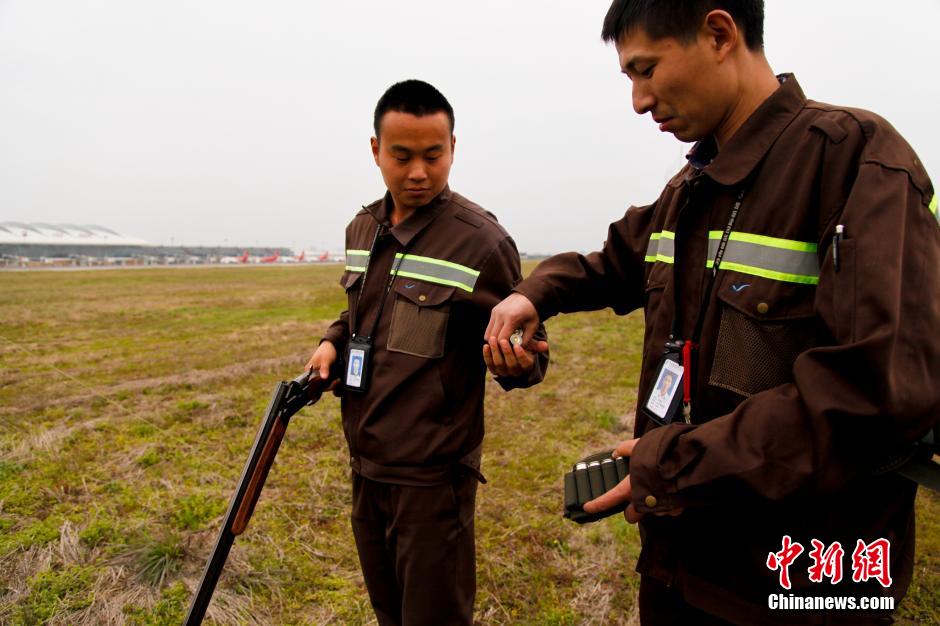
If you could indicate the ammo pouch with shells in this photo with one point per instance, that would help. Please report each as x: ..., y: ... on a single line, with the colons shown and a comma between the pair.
x: 589, y: 478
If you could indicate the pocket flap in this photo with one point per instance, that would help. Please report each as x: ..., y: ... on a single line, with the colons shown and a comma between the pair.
x: 765, y: 299
x: 422, y: 293
x: 658, y: 276
x: 348, y: 279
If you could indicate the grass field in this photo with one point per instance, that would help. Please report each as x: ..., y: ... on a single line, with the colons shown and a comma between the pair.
x: 129, y: 399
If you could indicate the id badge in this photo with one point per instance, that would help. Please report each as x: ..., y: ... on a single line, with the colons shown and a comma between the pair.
x: 358, y: 361
x: 663, y: 404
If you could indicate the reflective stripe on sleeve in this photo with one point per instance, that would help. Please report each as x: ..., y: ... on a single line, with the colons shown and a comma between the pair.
x: 933, y: 207
x: 662, y: 247
x: 357, y: 260
x: 435, y: 271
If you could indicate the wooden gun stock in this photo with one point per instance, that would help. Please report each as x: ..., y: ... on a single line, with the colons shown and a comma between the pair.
x: 258, y: 477
x: 288, y: 398
x: 309, y: 386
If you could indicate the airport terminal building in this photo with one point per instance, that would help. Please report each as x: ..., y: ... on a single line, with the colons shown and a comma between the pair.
x: 70, y: 245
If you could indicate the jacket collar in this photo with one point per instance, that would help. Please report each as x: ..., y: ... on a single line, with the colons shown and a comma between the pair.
x: 750, y: 143
x: 410, y: 228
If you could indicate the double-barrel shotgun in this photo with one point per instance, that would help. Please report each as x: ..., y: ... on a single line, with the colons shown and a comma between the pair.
x: 288, y: 398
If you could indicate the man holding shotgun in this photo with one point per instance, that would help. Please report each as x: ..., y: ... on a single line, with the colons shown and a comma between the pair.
x: 424, y: 267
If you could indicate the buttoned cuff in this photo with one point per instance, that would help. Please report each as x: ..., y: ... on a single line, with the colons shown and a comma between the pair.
x: 652, y: 493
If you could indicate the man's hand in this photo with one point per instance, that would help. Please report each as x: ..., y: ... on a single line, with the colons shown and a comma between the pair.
x: 322, y: 360
x: 504, y: 359
x: 516, y: 311
x: 501, y: 357
x: 623, y: 492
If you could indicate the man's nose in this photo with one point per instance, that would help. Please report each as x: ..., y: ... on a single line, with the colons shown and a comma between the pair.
x: 643, y: 100
x: 417, y: 172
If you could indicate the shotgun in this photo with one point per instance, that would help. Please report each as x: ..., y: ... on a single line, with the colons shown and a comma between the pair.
x: 288, y: 398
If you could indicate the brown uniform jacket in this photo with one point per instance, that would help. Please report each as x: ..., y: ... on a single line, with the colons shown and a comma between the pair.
x: 805, y: 373
x: 423, y: 411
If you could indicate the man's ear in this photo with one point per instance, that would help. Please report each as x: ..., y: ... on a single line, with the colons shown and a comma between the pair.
x: 375, y: 149
x: 721, y: 32
x: 453, y: 145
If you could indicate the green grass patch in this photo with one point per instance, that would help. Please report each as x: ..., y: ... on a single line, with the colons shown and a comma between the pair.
x: 159, y: 558
x: 33, y: 533
x: 193, y: 511
x: 54, y: 592
x: 169, y: 610
x: 151, y: 457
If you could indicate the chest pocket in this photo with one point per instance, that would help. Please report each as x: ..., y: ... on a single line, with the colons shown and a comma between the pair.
x: 419, y: 318
x: 765, y: 324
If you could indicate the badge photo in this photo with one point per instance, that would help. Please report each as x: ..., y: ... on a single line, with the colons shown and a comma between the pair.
x: 357, y: 363
x: 662, y: 404
x: 354, y: 372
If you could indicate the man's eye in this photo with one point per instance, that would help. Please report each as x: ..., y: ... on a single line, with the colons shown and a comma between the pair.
x: 401, y: 159
x: 432, y: 158
x: 648, y: 72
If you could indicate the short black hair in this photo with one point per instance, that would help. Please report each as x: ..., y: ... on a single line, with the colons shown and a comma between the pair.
x: 415, y: 97
x: 681, y: 19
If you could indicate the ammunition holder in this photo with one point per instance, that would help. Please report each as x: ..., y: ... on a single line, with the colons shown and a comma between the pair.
x: 589, y: 478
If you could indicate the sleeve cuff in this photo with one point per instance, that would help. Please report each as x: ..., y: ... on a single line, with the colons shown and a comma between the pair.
x: 538, y: 294
x: 336, y: 336
x: 651, y: 492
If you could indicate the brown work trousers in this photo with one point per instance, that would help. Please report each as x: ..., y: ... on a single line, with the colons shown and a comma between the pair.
x: 417, y: 550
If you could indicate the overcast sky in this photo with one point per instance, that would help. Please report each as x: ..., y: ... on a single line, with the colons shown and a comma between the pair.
x: 248, y: 122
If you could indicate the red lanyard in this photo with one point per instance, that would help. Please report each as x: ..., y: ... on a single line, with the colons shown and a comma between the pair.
x: 689, y: 345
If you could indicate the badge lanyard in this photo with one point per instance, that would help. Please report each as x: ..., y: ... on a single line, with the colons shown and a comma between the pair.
x: 686, y: 347
x: 358, y: 355
x: 388, y: 286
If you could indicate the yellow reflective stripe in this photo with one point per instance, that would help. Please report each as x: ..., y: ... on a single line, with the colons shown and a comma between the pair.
x: 933, y: 206
x: 435, y: 279
x: 427, y: 259
x: 785, y: 260
x: 436, y: 271
x: 765, y: 273
x: 653, y: 248
x: 764, y: 240
x: 357, y: 256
